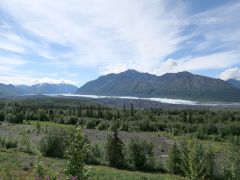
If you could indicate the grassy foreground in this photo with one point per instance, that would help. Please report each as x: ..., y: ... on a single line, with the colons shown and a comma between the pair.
x: 18, y: 165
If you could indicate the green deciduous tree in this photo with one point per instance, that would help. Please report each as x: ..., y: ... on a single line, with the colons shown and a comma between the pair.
x: 76, y: 155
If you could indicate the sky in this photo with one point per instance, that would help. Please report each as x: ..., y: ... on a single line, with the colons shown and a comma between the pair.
x: 74, y: 41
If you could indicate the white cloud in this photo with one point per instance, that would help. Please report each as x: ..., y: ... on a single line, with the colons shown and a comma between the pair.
x: 53, y: 81
x: 232, y: 73
x: 208, y: 62
x: 28, y: 80
x: 12, y: 61
x: 223, y: 30
x: 102, y: 32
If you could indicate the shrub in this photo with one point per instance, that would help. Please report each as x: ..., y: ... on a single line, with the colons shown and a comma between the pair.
x: 147, y: 125
x: 76, y: 155
x: 91, y: 123
x: 2, y: 116
x: 174, y: 160
x: 54, y: 143
x: 196, y: 162
x: 42, y: 116
x: 103, y: 125
x: 141, y: 155
x: 10, y: 118
x: 125, y: 126
x: 19, y: 118
x: 234, y: 159
x: 8, y: 142
x: 38, y: 127
x: 96, y: 155
x: 39, y: 169
x: 25, y: 144
x: 42, y: 171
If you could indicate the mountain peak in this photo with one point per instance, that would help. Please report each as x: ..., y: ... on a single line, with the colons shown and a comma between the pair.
x: 132, y: 71
x: 185, y: 72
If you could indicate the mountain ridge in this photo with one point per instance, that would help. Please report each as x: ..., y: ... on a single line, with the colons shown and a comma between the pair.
x: 48, y: 88
x: 43, y: 88
x: 182, y: 85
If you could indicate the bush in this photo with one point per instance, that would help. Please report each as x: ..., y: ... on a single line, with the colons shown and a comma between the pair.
x: 196, y: 162
x: 141, y: 155
x: 8, y: 142
x: 125, y: 126
x: 147, y: 125
x: 91, y: 123
x: 103, y: 125
x: 234, y: 159
x: 42, y: 172
x: 25, y: 144
x: 96, y: 155
x: 10, y: 118
x: 2, y: 116
x: 174, y: 160
x: 54, y: 143
x: 39, y: 169
x: 19, y: 118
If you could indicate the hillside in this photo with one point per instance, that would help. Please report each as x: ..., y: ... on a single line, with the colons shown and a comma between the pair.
x: 234, y: 82
x: 9, y: 90
x: 46, y: 88
x: 183, y: 85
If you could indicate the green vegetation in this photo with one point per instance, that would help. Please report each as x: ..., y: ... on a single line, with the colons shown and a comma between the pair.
x: 17, y: 164
x: 76, y: 155
x: 115, y: 150
x: 54, y: 143
x: 204, y: 124
x: 194, y: 142
x: 141, y: 155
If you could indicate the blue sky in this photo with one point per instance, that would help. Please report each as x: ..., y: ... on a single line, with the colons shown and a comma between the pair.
x: 75, y: 41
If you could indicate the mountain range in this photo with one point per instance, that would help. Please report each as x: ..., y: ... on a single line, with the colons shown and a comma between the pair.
x: 44, y: 88
x: 234, y: 82
x: 183, y: 85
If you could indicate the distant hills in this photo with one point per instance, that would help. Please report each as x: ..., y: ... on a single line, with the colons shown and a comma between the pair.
x: 9, y: 90
x: 44, y: 88
x: 183, y: 85
x: 234, y: 82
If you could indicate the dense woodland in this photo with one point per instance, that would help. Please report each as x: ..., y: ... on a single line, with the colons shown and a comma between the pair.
x: 186, y: 158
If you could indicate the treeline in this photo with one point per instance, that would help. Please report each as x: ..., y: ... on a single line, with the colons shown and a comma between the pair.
x: 203, y: 124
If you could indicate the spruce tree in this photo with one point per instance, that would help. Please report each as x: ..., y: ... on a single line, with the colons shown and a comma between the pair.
x: 115, y: 150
